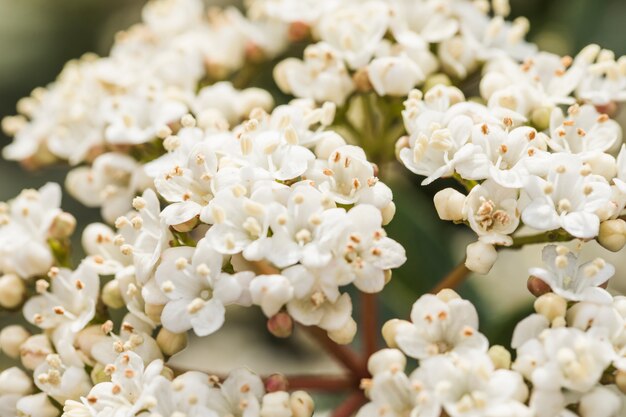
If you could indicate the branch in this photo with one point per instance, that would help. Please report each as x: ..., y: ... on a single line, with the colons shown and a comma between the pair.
x: 453, y: 279
x: 350, y: 405
x: 369, y: 324
x: 559, y: 235
x: 343, y: 354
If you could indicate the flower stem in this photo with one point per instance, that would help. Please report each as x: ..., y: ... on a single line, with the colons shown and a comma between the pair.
x: 453, y: 279
x: 343, y: 354
x: 369, y: 324
x: 350, y: 405
x: 559, y: 235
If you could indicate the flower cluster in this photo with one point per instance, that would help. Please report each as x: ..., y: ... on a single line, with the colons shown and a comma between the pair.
x: 571, y: 359
x: 562, y: 180
x: 150, y: 80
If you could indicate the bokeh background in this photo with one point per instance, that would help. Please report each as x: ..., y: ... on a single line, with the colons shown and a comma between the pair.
x: 38, y: 36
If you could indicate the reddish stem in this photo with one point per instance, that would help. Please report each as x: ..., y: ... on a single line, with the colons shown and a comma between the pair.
x: 350, y: 405
x: 343, y: 354
x: 369, y: 324
x: 320, y: 383
x: 453, y: 279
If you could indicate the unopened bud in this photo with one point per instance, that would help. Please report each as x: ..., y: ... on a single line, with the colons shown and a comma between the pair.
x: 153, y: 311
x: 603, y: 164
x: 171, y: 343
x: 388, y: 212
x: 301, y: 404
x: 12, y: 291
x: 88, y: 337
x: 612, y: 234
x: 15, y: 381
x: 98, y: 374
x: 537, y: 287
x: 62, y: 226
x: 448, y: 294
x: 449, y: 204
x: 435, y: 80
x: 480, y: 257
x: 540, y: 118
x: 390, y: 330
x: 280, y: 325
x: 276, y: 382
x: 386, y: 360
x: 620, y: 380
x: 551, y: 306
x: 276, y: 404
x: 328, y: 143
x: 187, y: 226
x: 361, y: 80
x: 11, y: 339
x: 112, y: 295
x: 34, y: 351
x: 344, y: 335
x: 500, y: 357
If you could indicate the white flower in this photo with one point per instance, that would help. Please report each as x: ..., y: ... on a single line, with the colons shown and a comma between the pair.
x: 233, y: 104
x: 394, y: 75
x: 143, y: 237
x: 197, y: 290
x: 570, y: 197
x: 61, y: 381
x: 492, y: 212
x: 271, y: 292
x: 584, y: 131
x: 349, y: 178
x: 316, y: 298
x: 111, y: 183
x: 14, y: 385
x: 37, y: 405
x: 98, y: 241
x: 321, y: 76
x: 439, y: 327
x: 69, y: 299
x: 355, y: 30
x: 604, y: 81
x: 302, y: 230
x: 569, y: 280
x: 564, y: 358
x: 25, y: 228
x: 364, y: 252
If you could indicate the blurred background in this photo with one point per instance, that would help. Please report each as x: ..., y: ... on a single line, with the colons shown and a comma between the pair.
x: 38, y: 36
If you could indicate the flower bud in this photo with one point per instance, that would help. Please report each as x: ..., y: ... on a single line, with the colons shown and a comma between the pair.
x: 112, y: 295
x: 600, y: 402
x: 551, y: 306
x: 603, y: 164
x: 301, y: 404
x: 63, y: 225
x: 435, y: 80
x: 492, y: 82
x: 537, y: 287
x: 394, y: 75
x: 500, y: 357
x: 327, y: 144
x: 276, y: 382
x: 388, y: 212
x: 386, y: 360
x: 620, y: 381
x: 15, y: 381
x: 280, y: 325
x: 35, y: 350
x: 612, y: 234
x: 448, y: 294
x: 449, y: 204
x: 171, y: 343
x: 98, y: 374
x: 153, y: 311
x: 186, y: 226
x: 11, y: 339
x: 12, y: 291
x: 276, y: 404
x: 361, y: 80
x: 540, y: 118
x: 480, y: 257
x: 390, y: 330
x: 344, y: 335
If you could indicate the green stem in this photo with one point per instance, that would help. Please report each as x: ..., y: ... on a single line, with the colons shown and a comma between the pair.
x: 467, y: 184
x: 559, y: 235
